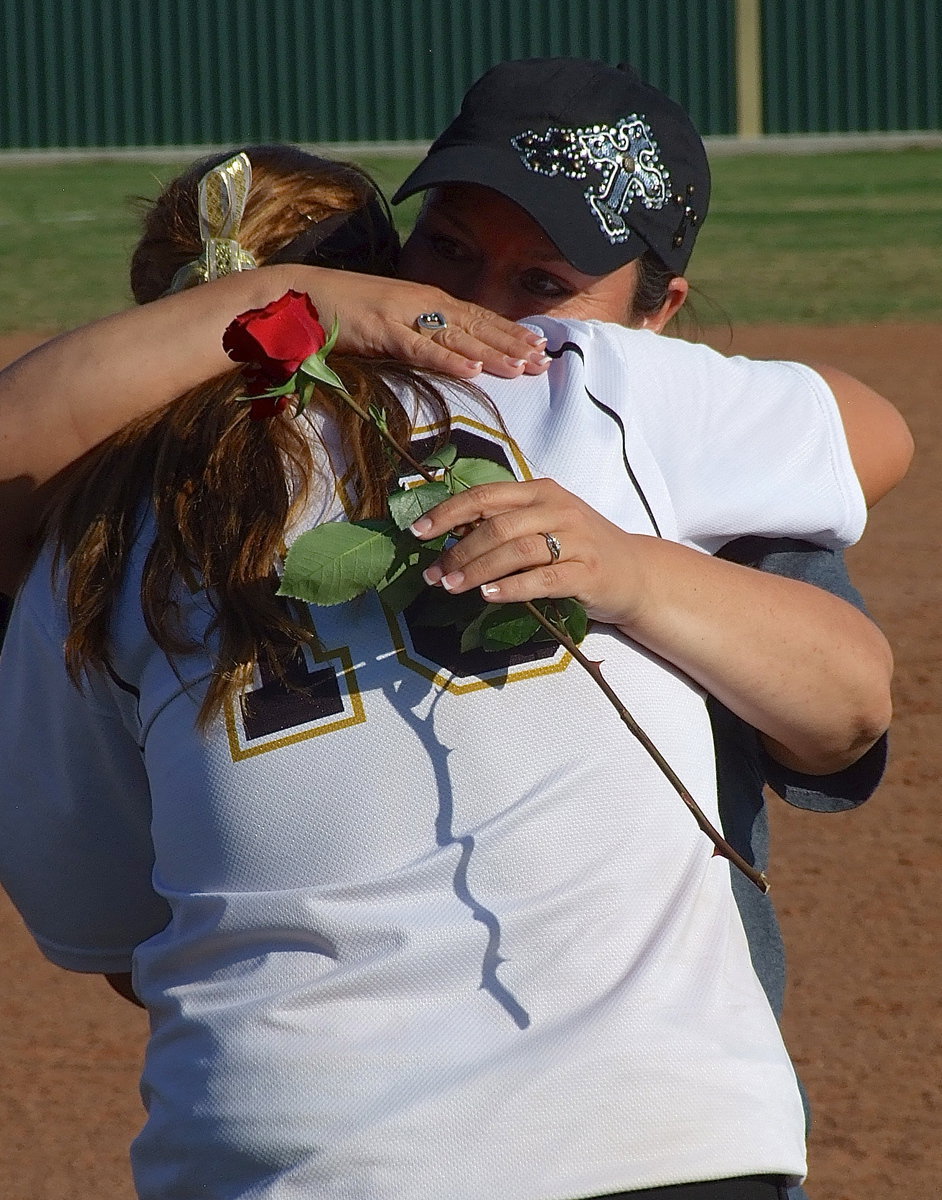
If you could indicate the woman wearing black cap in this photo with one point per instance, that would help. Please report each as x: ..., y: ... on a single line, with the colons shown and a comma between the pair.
x: 577, y: 188
x: 535, y: 988
x: 608, y: 166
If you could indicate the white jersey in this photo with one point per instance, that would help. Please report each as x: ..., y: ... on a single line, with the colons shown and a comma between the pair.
x: 433, y: 925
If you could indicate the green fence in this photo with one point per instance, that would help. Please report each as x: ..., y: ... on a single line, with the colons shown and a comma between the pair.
x: 108, y: 73
x: 835, y: 65
x: 186, y: 72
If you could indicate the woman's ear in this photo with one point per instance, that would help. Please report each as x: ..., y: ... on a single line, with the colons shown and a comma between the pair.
x: 677, y: 291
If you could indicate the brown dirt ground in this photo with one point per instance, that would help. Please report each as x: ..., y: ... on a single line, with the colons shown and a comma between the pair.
x: 864, y: 1014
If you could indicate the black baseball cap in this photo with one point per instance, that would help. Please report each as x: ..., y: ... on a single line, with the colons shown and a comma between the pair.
x: 605, y: 163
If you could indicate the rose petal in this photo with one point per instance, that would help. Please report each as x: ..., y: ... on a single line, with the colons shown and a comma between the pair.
x: 276, y: 339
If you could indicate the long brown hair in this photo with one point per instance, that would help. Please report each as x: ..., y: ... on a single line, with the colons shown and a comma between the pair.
x: 222, y: 487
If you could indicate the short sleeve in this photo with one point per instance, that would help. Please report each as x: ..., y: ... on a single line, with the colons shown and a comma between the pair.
x: 744, y: 446
x: 76, y: 856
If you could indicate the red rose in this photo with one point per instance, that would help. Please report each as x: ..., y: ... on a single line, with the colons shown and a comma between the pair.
x: 275, y: 339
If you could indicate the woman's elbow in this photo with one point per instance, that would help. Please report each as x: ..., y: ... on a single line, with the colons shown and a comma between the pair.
x: 848, y: 726
x: 829, y: 754
x: 867, y: 716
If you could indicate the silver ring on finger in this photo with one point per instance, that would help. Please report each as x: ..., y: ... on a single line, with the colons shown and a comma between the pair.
x: 552, y: 544
x: 431, y: 323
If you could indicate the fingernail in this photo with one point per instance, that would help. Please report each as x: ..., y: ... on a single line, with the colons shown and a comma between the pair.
x: 490, y: 589
x: 455, y: 579
x: 432, y: 574
x: 540, y: 360
x: 476, y: 366
x: 536, y: 339
x: 517, y: 362
x: 422, y: 525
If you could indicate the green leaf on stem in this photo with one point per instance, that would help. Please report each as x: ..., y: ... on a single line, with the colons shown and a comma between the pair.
x: 503, y: 626
x: 331, y: 338
x: 406, y: 505
x: 284, y: 389
x: 336, y: 561
x: 403, y: 579
x: 568, y: 614
x: 305, y: 393
x: 442, y: 458
x: 506, y: 625
x: 378, y: 525
x: 472, y: 636
x: 315, y: 365
x: 469, y: 472
x: 314, y: 368
x: 438, y: 609
x: 378, y: 417
x: 403, y: 582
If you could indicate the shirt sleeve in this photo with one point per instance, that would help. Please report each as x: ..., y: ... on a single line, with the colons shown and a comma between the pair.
x: 744, y: 446
x: 76, y: 855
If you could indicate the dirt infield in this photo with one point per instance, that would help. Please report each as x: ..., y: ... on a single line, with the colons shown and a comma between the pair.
x: 855, y: 892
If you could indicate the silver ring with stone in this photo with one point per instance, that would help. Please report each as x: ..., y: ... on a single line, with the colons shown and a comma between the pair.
x: 431, y: 323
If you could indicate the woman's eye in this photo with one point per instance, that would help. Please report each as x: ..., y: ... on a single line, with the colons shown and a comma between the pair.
x: 548, y: 287
x: 448, y: 248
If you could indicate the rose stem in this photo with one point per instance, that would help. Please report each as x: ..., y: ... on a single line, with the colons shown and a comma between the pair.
x: 759, y: 878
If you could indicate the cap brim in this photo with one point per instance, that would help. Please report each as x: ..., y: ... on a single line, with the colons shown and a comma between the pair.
x: 555, y: 203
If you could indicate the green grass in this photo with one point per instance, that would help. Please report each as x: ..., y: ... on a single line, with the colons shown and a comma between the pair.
x: 842, y: 237
x: 66, y: 233
x: 829, y: 238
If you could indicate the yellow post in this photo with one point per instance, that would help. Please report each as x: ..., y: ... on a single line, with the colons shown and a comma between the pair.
x: 748, y: 68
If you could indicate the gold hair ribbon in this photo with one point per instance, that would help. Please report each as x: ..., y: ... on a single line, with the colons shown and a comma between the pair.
x: 223, y: 192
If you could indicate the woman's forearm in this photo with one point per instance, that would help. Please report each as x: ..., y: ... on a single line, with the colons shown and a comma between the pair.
x: 71, y: 392
x: 67, y: 395
x: 802, y: 666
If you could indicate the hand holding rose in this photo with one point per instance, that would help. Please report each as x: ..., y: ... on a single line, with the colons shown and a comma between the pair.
x: 507, y: 555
